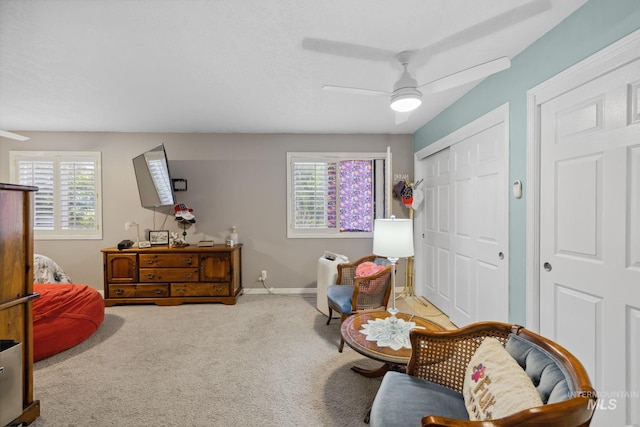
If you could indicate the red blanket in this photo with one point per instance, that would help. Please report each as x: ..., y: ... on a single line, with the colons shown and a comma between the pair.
x: 64, y: 316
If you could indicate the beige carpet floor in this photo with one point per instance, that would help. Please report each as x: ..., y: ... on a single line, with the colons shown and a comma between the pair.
x: 269, y: 360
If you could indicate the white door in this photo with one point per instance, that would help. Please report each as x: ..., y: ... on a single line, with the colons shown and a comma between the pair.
x: 434, y: 220
x: 590, y: 234
x: 463, y: 228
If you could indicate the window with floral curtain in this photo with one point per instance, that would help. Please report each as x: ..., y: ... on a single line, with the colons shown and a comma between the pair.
x: 334, y: 196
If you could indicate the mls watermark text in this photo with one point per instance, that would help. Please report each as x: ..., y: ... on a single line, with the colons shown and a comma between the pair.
x: 606, y: 400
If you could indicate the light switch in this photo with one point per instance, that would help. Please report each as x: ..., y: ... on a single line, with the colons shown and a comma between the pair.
x: 517, y: 189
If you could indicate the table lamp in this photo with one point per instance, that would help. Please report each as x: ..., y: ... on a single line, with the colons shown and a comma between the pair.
x: 393, y: 239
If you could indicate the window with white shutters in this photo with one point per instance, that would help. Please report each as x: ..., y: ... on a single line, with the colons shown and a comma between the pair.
x: 334, y: 195
x: 314, y: 195
x: 67, y: 204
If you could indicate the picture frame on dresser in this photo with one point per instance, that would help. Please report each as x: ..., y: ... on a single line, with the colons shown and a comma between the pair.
x: 159, y: 237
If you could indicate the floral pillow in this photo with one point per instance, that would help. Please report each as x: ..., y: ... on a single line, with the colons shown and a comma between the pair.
x: 495, y: 386
x: 45, y: 270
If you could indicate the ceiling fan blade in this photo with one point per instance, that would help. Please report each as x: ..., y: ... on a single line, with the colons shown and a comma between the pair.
x: 348, y: 50
x: 12, y: 135
x: 402, y: 117
x: 482, y: 29
x: 354, y: 90
x: 466, y: 76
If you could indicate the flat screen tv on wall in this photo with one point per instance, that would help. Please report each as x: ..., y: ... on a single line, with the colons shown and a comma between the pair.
x: 154, y: 179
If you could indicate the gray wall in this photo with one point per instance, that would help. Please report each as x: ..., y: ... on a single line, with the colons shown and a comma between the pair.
x: 237, y: 179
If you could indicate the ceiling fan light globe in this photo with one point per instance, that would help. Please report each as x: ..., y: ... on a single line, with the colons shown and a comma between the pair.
x: 403, y: 103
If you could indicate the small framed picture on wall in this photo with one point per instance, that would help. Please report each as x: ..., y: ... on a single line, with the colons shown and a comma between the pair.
x: 159, y: 237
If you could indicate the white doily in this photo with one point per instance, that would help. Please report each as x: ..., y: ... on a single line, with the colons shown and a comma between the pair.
x: 388, y: 333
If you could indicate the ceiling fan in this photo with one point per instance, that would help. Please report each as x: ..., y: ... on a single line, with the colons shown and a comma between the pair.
x: 11, y: 135
x: 407, y: 93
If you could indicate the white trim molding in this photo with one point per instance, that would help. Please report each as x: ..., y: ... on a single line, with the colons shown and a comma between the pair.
x: 495, y: 116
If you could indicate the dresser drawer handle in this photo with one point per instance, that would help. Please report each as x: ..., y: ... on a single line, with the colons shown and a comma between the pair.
x: 187, y: 275
x: 119, y: 292
x: 157, y: 291
x: 188, y: 260
x: 150, y: 261
x: 150, y: 276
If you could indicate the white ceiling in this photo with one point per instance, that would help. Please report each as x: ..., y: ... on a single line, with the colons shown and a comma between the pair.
x: 232, y: 66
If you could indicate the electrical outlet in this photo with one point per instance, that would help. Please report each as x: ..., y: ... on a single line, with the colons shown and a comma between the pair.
x: 263, y: 275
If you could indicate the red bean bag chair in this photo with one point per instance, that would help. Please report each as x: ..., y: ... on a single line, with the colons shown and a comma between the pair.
x: 63, y: 316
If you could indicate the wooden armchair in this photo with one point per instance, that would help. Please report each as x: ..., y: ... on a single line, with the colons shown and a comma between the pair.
x: 353, y: 294
x: 431, y: 392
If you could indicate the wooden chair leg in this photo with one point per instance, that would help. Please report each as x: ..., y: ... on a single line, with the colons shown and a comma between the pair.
x: 342, y: 319
x: 330, y: 315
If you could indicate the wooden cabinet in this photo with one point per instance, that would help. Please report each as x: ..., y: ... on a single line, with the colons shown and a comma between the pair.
x: 170, y: 276
x: 122, y: 268
x: 16, y: 284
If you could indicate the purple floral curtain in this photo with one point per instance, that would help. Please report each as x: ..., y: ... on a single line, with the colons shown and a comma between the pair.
x: 356, y: 195
x: 332, y: 211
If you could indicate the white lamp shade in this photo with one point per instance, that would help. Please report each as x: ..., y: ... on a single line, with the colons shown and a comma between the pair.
x: 393, y: 238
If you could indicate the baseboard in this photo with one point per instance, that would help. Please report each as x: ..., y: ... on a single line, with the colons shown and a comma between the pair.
x: 289, y: 291
x: 263, y: 291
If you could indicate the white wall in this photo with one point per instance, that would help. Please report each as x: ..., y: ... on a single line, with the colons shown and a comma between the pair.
x: 236, y: 179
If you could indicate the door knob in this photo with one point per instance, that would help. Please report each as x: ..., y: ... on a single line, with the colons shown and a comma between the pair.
x: 500, y: 255
x: 547, y: 266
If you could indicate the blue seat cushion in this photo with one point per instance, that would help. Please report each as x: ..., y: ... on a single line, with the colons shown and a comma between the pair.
x: 403, y: 400
x: 382, y: 261
x: 547, y: 375
x: 340, y: 296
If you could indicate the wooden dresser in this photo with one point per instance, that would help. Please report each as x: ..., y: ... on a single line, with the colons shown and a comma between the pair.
x: 165, y: 275
x: 16, y: 284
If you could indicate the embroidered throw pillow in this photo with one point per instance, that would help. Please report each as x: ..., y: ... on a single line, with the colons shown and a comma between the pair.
x: 495, y: 386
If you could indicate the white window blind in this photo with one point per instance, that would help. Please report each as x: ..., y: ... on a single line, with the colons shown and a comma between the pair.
x: 67, y: 204
x: 314, y: 193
